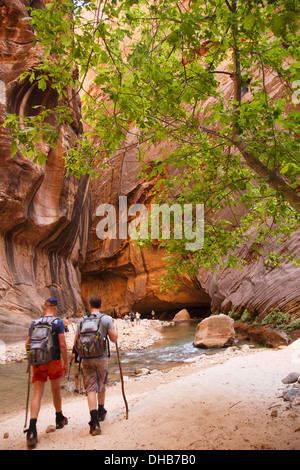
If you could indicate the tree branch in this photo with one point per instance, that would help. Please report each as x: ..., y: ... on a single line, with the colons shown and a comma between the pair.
x: 274, y: 180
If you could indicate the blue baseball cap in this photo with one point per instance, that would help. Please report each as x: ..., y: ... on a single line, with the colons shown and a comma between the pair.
x: 52, y: 302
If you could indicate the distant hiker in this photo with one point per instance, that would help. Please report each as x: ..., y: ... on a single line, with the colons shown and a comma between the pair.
x: 77, y: 366
x: 66, y: 323
x: 153, y: 314
x: 138, y: 317
x: 47, y: 353
x: 131, y: 316
x: 91, y: 344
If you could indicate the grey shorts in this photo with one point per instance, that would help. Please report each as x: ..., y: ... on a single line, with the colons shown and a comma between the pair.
x: 95, y: 374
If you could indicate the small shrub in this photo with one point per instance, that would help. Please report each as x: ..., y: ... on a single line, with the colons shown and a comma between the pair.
x: 294, y: 324
x: 246, y: 316
x: 280, y: 319
x: 234, y: 315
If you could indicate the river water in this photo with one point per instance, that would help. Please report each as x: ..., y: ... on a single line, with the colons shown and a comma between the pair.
x: 169, y: 352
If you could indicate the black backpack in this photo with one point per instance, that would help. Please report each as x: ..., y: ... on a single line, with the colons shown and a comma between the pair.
x: 90, y: 341
x: 40, y: 348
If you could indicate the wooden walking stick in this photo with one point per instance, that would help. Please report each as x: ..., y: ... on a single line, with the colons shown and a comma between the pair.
x: 122, y: 381
x: 28, y: 393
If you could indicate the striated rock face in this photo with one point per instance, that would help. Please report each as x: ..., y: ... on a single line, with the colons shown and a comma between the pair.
x: 259, y: 287
x: 47, y: 247
x: 44, y: 215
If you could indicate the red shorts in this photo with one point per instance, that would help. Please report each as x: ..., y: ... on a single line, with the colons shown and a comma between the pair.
x: 53, y: 370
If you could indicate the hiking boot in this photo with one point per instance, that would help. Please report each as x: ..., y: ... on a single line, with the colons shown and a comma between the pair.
x: 31, y: 437
x: 94, y: 428
x: 61, y: 422
x: 102, y: 414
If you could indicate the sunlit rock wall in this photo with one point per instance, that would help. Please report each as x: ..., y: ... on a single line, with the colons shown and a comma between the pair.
x: 123, y: 274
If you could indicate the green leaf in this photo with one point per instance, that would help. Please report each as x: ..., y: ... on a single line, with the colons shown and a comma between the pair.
x: 249, y: 22
x: 42, y: 84
x: 13, y: 148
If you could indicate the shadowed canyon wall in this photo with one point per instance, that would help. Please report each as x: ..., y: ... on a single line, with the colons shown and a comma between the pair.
x: 45, y: 217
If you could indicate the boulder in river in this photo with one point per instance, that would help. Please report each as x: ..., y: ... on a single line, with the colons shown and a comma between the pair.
x: 182, y: 315
x: 215, y: 331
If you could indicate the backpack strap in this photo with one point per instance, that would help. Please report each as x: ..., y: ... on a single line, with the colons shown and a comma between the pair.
x: 44, y: 321
x: 106, y: 339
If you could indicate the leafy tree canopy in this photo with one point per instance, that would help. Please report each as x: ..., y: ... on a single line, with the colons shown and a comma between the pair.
x: 157, y: 66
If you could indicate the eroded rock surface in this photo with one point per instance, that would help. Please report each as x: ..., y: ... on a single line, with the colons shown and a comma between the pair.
x: 47, y: 242
x: 44, y: 215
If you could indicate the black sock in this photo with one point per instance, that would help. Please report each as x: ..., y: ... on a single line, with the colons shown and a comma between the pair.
x: 32, y: 423
x: 59, y: 416
x: 94, y: 416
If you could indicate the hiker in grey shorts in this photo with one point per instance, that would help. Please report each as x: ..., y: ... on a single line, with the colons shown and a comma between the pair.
x: 95, y: 369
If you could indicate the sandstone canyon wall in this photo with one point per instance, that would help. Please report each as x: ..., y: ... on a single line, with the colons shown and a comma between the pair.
x: 48, y: 241
x: 45, y: 217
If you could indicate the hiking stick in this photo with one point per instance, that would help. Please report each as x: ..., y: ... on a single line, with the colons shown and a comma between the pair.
x: 67, y: 387
x: 80, y: 378
x: 28, y: 393
x: 70, y: 365
x: 122, y: 381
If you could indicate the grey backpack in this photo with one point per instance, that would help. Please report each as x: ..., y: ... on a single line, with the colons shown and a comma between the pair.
x: 40, y: 348
x: 90, y: 342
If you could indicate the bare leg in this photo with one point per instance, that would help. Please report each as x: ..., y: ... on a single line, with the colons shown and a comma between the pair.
x: 38, y: 391
x: 92, y: 400
x: 56, y: 395
x: 76, y: 382
x: 101, y: 398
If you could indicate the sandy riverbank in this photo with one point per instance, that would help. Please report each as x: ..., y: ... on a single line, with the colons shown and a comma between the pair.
x: 232, y: 400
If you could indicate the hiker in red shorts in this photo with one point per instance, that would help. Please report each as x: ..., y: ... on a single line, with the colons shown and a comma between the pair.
x: 55, y: 370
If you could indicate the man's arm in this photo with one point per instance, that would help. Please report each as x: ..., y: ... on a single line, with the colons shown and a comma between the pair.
x: 63, y: 351
x: 113, y: 335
